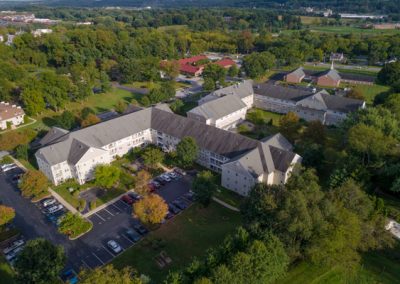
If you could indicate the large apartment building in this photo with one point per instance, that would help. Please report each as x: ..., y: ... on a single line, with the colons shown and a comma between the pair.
x: 65, y: 155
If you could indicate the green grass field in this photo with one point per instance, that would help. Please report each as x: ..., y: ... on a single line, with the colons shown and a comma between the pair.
x: 186, y: 236
x: 370, y: 92
x: 352, y: 29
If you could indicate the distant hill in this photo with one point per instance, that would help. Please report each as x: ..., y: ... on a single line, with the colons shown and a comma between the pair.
x: 371, y: 6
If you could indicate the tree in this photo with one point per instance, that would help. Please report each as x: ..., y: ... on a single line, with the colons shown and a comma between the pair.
x: 204, y: 186
x: 151, y: 209
x: 108, y: 274
x: 257, y: 64
x: 85, y: 112
x: 315, y: 132
x: 90, y: 120
x: 121, y: 106
x: 66, y: 120
x: 33, y: 184
x: 389, y: 74
x: 355, y: 94
x: 177, y: 106
x: 209, y: 84
x: 142, y: 179
x: 171, y: 68
x: 21, y: 152
x: 289, y: 126
x: 187, y: 151
x: 233, y: 71
x: 245, y: 42
x: 33, y: 101
x: 7, y: 214
x: 106, y: 175
x: 40, y: 262
x: 215, y: 73
x: 152, y: 157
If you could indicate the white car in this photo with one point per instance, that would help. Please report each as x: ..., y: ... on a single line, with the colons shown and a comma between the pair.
x: 165, y: 177
x: 173, y: 175
x: 114, y: 246
x: 49, y: 202
x: 10, y: 167
x: 54, y: 209
x: 5, y: 166
x: 13, y: 246
x: 13, y: 254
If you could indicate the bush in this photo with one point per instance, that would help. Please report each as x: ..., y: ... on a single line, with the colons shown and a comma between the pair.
x: 6, y: 160
x: 93, y: 204
x: 82, y: 205
x: 21, y: 152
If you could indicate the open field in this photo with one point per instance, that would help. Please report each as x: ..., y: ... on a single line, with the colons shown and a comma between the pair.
x: 351, y: 29
x: 188, y: 235
x: 370, y: 92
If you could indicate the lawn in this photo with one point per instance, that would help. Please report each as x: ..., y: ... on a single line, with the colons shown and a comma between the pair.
x: 376, y: 267
x: 370, y: 92
x: 186, y: 236
x: 6, y: 273
x: 352, y: 29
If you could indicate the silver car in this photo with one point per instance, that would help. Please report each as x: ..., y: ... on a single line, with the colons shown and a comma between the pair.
x: 114, y: 246
x: 13, y: 246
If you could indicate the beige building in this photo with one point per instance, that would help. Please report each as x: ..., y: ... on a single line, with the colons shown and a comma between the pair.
x: 10, y: 114
x: 65, y: 155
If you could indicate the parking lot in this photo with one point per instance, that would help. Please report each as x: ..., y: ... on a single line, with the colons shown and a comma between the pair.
x: 110, y: 223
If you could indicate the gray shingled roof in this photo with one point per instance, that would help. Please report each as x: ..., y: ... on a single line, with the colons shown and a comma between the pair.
x: 55, y: 134
x: 299, y: 72
x: 281, y: 92
x: 219, y: 108
x: 332, y: 73
x: 342, y: 104
x: 242, y: 89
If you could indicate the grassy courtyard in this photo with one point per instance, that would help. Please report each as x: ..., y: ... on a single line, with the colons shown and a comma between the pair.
x: 370, y: 92
x: 188, y: 235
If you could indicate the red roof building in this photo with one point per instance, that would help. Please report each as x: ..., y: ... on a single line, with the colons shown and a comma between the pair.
x: 187, y: 65
x: 226, y: 63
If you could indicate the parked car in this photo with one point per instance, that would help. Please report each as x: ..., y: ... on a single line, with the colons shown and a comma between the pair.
x: 161, y: 181
x: 13, y: 254
x: 133, y: 235
x: 189, y: 195
x: 135, y: 196
x: 13, y: 246
x: 9, y: 168
x: 16, y: 177
x: 180, y: 171
x: 165, y: 178
x: 173, y: 209
x: 127, y: 199
x: 5, y: 166
x: 169, y: 215
x: 151, y: 187
x: 156, y: 184
x: 173, y: 175
x: 180, y: 204
x: 48, y: 202
x: 54, y: 209
x: 114, y: 246
x: 70, y: 276
x: 140, y: 229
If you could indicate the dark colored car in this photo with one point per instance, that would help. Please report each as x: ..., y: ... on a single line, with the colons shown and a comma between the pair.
x: 161, y: 181
x: 140, y: 229
x: 127, y: 199
x: 135, y: 196
x: 173, y: 209
x: 151, y: 187
x: 180, y: 204
x: 133, y: 235
x: 189, y: 196
x: 70, y: 277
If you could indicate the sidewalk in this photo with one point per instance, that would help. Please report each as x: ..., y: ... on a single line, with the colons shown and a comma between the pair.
x: 18, y: 163
x: 63, y: 202
x: 225, y: 204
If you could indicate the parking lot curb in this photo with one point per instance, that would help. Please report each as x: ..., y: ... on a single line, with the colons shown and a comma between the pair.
x: 77, y: 237
x: 101, y: 207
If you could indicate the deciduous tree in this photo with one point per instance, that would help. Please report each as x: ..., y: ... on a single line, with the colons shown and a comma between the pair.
x: 152, y: 157
x: 151, y: 209
x: 187, y: 151
x: 33, y: 184
x: 40, y: 262
x: 90, y: 119
x: 108, y: 274
x: 7, y: 214
x: 204, y: 186
x: 106, y: 175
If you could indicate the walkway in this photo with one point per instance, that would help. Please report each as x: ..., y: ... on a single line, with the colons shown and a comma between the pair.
x: 20, y: 126
x: 141, y: 91
x: 223, y: 203
x: 63, y: 202
x: 18, y: 163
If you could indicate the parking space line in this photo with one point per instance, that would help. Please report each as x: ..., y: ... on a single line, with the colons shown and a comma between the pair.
x: 102, y: 262
x: 121, y: 202
x: 99, y: 216
x: 119, y: 210
x: 127, y: 239
x: 85, y: 264
x: 108, y: 212
x: 113, y: 255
